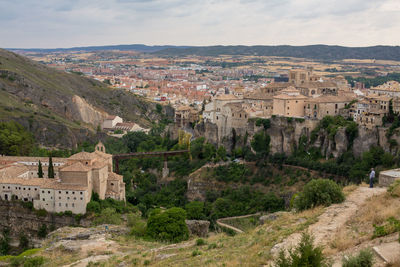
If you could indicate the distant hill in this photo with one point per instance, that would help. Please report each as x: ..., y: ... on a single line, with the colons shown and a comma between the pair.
x: 132, y: 47
x: 62, y: 109
x: 318, y: 52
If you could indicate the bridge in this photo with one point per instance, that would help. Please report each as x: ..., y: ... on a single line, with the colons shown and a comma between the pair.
x: 164, y: 154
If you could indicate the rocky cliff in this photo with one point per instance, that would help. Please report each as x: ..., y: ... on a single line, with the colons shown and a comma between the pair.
x: 285, y: 135
x: 21, y: 220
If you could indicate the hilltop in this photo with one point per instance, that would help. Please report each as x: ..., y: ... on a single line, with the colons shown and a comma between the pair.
x: 62, y: 109
x: 318, y: 52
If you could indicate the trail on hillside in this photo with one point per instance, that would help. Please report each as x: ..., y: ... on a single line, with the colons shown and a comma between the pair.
x: 334, y: 217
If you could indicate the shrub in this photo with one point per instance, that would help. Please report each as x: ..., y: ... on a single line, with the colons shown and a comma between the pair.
x: 200, y: 242
x: 195, y: 210
x: 168, y: 226
x: 364, y: 259
x: 42, y: 232
x: 394, y: 189
x: 108, y: 216
x: 196, y: 252
x: 305, y: 254
x: 319, y: 192
x: 212, y: 246
x: 93, y: 206
x: 138, y: 226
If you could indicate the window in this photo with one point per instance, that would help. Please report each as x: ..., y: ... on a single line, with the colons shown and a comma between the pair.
x: 74, y: 198
x: 66, y: 192
x: 73, y: 205
x: 67, y: 197
x: 59, y: 192
x: 59, y: 204
x: 81, y: 193
x: 48, y: 192
x: 66, y: 204
x: 112, y: 183
x: 29, y: 188
x: 59, y: 197
x: 43, y: 199
x: 42, y: 191
x: 73, y: 193
x: 24, y: 188
x: 81, y: 198
x: 35, y: 189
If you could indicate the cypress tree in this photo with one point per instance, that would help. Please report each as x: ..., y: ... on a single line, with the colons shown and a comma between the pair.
x: 40, y: 170
x: 51, y: 168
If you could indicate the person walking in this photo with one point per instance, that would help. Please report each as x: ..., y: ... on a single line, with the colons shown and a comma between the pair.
x: 371, y: 178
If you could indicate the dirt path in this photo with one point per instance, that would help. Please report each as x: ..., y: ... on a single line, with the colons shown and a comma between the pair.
x: 332, y: 219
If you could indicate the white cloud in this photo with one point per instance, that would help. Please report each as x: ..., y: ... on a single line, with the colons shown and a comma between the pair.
x: 56, y: 23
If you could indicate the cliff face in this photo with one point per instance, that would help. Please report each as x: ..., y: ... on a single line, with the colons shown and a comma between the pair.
x: 21, y: 220
x: 285, y: 135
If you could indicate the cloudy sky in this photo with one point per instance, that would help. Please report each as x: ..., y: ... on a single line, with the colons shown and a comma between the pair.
x: 68, y: 23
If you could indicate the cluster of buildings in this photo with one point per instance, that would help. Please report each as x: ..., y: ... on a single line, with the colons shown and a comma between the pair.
x: 115, y: 125
x: 305, y: 96
x: 75, y: 178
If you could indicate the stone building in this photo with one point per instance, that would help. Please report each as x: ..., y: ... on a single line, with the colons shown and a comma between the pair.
x: 390, y: 88
x: 319, y: 107
x: 289, y: 103
x: 75, y: 179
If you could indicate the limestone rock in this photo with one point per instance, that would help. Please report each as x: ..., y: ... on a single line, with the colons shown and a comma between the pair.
x: 198, y: 227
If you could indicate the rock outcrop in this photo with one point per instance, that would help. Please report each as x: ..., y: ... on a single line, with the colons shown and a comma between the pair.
x: 198, y: 227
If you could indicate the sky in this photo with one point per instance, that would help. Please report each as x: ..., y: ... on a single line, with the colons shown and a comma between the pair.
x: 71, y: 23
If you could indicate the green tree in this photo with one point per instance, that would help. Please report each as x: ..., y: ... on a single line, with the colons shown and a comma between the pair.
x: 50, y: 172
x: 261, y: 143
x: 14, y: 139
x: 5, y: 242
x: 305, y: 254
x: 23, y: 242
x: 319, y: 192
x: 42, y: 232
x: 40, y: 170
x: 195, y: 210
x: 221, y: 153
x: 168, y: 226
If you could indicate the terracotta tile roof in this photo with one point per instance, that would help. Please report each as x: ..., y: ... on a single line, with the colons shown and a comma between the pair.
x: 112, y: 176
x: 83, y: 156
x: 330, y: 99
x: 285, y: 96
x: 13, y: 171
x: 43, y: 183
x: 32, y: 159
x: 75, y: 167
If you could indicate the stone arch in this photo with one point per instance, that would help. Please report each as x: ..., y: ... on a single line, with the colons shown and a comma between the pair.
x: 100, y: 147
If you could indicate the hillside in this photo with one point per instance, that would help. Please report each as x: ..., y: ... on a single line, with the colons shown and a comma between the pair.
x: 59, y: 108
x: 320, y: 52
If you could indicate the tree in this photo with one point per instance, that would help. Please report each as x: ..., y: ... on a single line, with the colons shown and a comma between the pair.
x: 14, y: 139
x: 319, y: 192
x: 260, y: 143
x: 40, y: 170
x: 305, y: 254
x: 5, y: 242
x: 168, y: 226
x: 42, y: 232
x: 50, y: 172
x: 23, y: 241
x: 195, y: 210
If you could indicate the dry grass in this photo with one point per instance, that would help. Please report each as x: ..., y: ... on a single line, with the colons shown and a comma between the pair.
x: 349, y: 189
x: 359, y: 228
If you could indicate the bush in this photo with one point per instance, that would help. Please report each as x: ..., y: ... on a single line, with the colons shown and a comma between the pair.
x: 93, y: 206
x: 108, y: 216
x: 305, y: 254
x: 195, y: 210
x: 168, y: 226
x: 364, y: 259
x: 42, y: 232
x: 138, y: 226
x: 200, y: 242
x: 319, y: 192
